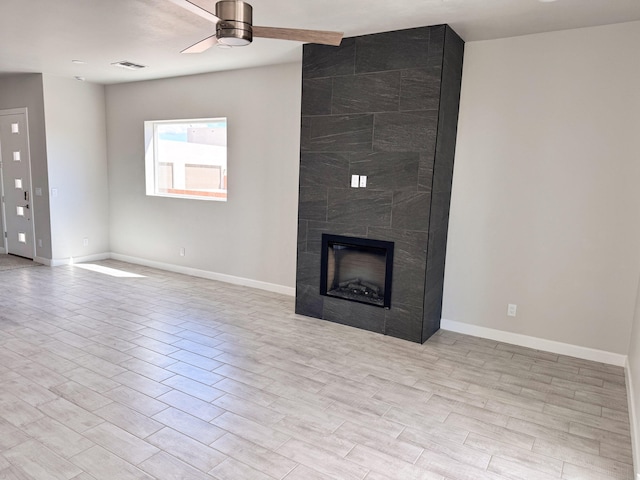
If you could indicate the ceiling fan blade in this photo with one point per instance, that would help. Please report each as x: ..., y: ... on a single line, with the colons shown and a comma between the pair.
x: 197, y: 9
x: 308, y: 36
x: 202, y: 45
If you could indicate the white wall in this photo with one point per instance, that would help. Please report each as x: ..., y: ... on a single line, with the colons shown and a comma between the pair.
x: 76, y: 149
x: 21, y: 91
x: 253, y: 235
x: 546, y: 196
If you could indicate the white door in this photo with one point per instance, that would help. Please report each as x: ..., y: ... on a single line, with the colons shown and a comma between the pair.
x: 16, y: 184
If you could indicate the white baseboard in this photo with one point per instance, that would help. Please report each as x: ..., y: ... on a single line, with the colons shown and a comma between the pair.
x: 56, y: 262
x: 43, y: 261
x: 552, y: 346
x: 91, y: 258
x: 633, y: 418
x: 247, y: 282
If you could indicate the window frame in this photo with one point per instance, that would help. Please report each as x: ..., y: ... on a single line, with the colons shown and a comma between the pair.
x: 151, y: 140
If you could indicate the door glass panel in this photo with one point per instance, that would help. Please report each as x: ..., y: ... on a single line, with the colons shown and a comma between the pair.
x: 22, y: 237
x: 16, y: 156
x: 15, y: 128
x: 20, y: 211
x: 18, y: 182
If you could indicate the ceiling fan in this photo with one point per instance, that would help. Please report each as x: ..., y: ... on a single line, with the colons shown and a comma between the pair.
x: 234, y: 27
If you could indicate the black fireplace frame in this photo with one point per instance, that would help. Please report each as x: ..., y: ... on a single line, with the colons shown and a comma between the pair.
x: 357, y: 242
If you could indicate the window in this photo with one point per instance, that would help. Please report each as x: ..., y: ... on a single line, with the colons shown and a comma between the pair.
x: 187, y: 158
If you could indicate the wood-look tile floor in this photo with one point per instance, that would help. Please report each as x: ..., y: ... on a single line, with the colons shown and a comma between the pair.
x: 171, y: 377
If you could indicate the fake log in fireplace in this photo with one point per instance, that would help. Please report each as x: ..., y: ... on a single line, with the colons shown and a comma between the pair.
x: 356, y: 269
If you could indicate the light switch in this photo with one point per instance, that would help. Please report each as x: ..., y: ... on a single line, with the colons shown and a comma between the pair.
x: 54, y: 192
x: 355, y: 181
x: 363, y: 181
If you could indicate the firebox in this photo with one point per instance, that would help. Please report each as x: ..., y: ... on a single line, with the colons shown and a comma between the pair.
x: 356, y: 269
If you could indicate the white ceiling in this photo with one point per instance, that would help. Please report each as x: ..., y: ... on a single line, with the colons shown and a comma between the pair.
x: 46, y: 35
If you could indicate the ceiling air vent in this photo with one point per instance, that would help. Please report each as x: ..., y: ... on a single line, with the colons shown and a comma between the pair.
x: 128, y: 65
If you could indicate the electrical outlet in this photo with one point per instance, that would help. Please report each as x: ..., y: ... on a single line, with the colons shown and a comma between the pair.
x: 40, y: 242
x: 54, y: 192
x: 85, y: 242
x: 182, y: 251
x: 512, y: 309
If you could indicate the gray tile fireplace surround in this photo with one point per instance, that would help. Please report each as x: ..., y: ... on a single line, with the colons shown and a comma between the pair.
x: 384, y: 106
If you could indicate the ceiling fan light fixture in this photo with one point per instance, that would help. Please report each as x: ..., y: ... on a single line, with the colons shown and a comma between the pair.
x: 234, y: 40
x: 234, y: 34
x: 236, y: 17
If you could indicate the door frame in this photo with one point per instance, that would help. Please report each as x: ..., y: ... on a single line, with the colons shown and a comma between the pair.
x: 18, y: 111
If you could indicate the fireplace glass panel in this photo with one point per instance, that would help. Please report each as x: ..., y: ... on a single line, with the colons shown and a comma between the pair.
x: 357, y: 269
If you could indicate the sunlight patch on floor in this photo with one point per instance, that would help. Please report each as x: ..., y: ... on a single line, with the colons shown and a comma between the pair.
x: 114, y: 272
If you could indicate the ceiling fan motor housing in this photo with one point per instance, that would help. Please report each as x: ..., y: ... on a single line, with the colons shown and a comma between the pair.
x: 235, y: 28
